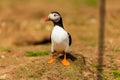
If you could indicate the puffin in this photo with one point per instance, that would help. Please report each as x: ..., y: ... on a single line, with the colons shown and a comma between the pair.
x: 60, y: 38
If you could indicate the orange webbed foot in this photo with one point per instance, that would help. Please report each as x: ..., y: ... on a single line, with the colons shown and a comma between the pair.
x: 65, y: 62
x: 51, y: 61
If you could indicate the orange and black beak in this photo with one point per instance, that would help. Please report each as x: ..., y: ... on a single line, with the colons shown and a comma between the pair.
x: 47, y: 18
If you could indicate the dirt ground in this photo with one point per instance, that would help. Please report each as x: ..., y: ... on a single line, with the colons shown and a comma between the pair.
x: 23, y: 29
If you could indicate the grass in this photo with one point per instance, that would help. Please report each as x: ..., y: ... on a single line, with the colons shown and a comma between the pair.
x: 91, y: 2
x: 36, y: 53
x: 6, y: 49
x: 111, y: 56
x: 105, y: 77
x: 116, y: 74
x: 116, y: 49
x: 96, y: 67
x: 114, y: 69
x: 88, y: 41
x: 13, y: 1
x: 82, y: 23
x: 2, y: 79
x: 24, y: 68
x: 33, y: 76
x: 85, y: 38
x: 91, y: 43
x: 113, y: 73
x: 112, y: 61
x: 111, y: 23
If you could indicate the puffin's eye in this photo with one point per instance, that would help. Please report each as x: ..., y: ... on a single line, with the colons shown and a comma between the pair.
x: 55, y: 15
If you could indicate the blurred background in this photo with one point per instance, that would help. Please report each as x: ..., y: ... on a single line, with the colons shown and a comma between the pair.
x: 22, y: 21
x: 22, y: 26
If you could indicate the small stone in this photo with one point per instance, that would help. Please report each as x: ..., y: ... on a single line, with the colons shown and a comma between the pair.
x: 2, y: 56
x: 2, y: 77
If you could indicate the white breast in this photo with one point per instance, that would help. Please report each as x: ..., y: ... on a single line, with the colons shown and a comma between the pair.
x: 58, y: 34
x: 59, y: 38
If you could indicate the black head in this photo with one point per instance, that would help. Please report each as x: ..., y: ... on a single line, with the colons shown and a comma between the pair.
x: 55, y: 17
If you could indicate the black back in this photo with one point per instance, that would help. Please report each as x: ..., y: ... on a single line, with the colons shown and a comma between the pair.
x: 70, y: 39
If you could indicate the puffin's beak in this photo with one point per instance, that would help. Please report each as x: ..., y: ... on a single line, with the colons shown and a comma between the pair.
x: 47, y: 18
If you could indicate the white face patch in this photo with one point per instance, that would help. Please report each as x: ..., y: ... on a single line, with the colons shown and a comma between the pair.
x: 54, y: 17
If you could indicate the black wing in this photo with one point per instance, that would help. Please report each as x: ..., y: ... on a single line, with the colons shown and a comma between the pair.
x: 70, y: 39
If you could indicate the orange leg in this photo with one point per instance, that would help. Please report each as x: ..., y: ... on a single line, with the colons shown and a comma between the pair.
x: 52, y: 60
x: 64, y: 61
